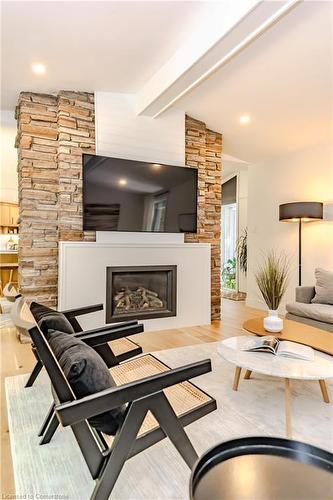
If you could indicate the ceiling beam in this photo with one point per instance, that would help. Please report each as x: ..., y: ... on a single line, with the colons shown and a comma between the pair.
x: 224, y: 33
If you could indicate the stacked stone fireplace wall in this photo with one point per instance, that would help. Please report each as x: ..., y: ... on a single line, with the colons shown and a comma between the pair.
x: 53, y: 132
x: 203, y: 150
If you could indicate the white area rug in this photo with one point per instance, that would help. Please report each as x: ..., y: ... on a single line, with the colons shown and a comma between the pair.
x: 159, y: 473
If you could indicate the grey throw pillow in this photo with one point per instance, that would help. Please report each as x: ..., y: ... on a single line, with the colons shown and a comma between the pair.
x: 324, y: 287
x: 49, y: 319
x: 87, y: 374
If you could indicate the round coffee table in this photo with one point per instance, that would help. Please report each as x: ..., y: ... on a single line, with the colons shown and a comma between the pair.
x: 321, y: 368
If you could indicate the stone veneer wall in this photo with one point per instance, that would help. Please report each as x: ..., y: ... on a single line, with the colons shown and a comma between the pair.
x: 53, y: 132
x: 203, y: 149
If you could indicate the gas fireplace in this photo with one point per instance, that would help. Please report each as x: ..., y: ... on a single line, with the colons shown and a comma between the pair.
x: 140, y: 292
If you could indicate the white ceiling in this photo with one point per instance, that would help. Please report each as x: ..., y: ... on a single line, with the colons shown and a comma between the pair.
x: 283, y: 81
x: 113, y: 46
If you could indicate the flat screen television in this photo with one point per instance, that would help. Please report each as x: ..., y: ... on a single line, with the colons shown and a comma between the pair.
x: 127, y: 195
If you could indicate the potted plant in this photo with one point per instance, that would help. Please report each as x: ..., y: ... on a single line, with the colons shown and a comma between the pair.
x: 272, y: 280
x: 229, y: 274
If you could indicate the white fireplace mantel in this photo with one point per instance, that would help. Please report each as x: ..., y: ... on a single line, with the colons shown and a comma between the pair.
x: 82, y: 277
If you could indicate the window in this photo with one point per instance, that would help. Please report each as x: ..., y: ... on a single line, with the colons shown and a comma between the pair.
x: 159, y: 209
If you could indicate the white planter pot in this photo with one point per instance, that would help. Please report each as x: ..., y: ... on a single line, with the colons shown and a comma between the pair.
x: 272, y: 322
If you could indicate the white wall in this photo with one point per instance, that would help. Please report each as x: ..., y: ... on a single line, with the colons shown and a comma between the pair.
x: 80, y: 284
x: 305, y: 175
x: 120, y: 132
x: 8, y: 158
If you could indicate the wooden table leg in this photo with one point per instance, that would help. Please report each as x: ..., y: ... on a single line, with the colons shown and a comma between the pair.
x: 287, y: 400
x: 236, y: 377
x: 324, y: 391
x: 247, y: 375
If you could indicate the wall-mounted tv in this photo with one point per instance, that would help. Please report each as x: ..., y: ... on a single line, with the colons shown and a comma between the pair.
x: 127, y: 195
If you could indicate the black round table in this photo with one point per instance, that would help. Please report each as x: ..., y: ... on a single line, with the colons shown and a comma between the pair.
x: 263, y: 468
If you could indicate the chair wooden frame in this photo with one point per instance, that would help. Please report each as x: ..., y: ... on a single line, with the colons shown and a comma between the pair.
x: 104, y: 463
x: 97, y: 338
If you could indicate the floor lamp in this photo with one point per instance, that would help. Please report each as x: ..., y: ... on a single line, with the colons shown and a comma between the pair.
x: 302, y: 211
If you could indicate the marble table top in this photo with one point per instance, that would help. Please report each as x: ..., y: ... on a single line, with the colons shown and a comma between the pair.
x: 320, y: 368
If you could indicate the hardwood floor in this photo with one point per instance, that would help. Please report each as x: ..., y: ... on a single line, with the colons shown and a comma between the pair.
x: 234, y: 314
x: 17, y: 359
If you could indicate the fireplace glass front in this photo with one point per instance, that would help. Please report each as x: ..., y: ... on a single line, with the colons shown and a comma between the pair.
x: 140, y: 292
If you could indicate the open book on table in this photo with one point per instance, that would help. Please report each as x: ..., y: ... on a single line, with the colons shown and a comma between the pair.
x: 279, y: 348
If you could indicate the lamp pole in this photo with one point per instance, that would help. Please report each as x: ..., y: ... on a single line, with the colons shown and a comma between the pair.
x: 300, y: 252
x: 301, y: 211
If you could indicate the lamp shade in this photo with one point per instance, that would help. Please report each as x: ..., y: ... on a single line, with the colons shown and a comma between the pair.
x: 304, y: 210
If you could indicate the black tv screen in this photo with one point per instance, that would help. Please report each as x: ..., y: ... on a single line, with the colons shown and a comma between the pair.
x: 127, y: 195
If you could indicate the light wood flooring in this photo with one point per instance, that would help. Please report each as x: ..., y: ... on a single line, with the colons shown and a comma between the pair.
x: 16, y: 358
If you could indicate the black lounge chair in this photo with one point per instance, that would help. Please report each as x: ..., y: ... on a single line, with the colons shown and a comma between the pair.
x: 110, y: 342
x: 114, y: 347
x: 160, y: 402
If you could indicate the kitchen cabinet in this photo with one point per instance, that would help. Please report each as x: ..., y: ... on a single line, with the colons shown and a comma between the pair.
x: 14, y: 214
x: 9, y: 214
x: 4, y: 214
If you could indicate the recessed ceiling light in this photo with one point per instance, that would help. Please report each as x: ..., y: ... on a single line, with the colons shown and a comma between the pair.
x: 156, y: 166
x: 244, y: 119
x: 122, y: 182
x: 38, y: 68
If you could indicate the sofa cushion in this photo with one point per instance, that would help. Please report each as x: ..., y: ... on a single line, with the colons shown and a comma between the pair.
x: 318, y: 312
x: 324, y: 287
x: 49, y: 319
x: 87, y: 374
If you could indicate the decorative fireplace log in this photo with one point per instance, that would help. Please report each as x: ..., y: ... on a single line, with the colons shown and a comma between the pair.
x: 137, y: 300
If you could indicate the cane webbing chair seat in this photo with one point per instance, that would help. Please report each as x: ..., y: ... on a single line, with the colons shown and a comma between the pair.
x: 183, y: 397
x: 122, y: 346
